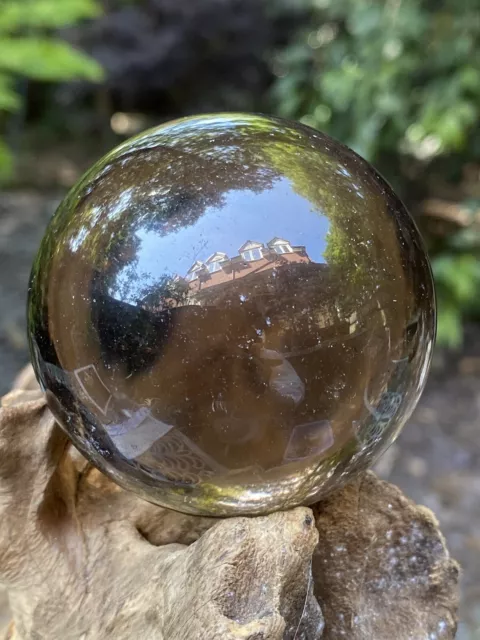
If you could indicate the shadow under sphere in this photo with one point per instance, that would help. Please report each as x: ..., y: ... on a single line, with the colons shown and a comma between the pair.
x: 231, y: 314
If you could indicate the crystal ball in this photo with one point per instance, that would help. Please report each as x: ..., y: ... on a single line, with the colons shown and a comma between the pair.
x: 231, y: 314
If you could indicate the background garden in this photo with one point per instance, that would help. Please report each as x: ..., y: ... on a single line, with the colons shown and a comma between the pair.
x: 397, y: 80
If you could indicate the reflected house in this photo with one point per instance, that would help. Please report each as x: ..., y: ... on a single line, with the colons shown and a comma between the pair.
x: 287, y: 287
x: 253, y: 258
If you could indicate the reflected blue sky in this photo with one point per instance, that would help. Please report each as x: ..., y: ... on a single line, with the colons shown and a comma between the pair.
x: 246, y: 215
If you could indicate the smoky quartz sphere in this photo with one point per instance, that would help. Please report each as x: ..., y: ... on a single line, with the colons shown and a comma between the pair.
x: 231, y: 314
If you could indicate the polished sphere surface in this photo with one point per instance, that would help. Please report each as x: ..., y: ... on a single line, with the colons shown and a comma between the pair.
x: 231, y: 314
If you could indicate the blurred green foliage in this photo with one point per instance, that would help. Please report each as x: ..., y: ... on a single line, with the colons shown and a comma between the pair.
x: 30, y: 48
x: 399, y: 82
x: 457, y: 280
x: 401, y: 75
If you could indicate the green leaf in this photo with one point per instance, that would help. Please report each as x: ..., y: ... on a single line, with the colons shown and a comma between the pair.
x: 459, y: 275
x: 46, y: 59
x: 449, y: 327
x: 16, y: 14
x: 469, y: 78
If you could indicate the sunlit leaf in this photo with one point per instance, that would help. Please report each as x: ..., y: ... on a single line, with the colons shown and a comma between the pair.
x: 16, y: 14
x: 46, y: 59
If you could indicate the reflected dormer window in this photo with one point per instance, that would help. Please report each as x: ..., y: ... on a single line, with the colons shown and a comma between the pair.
x: 214, y: 262
x: 252, y: 254
x: 214, y: 266
x: 282, y: 248
x: 194, y: 271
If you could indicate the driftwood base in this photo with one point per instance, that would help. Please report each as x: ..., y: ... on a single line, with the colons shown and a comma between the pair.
x: 84, y: 560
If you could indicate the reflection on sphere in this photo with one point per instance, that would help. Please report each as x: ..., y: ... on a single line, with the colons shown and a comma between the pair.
x: 231, y: 314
